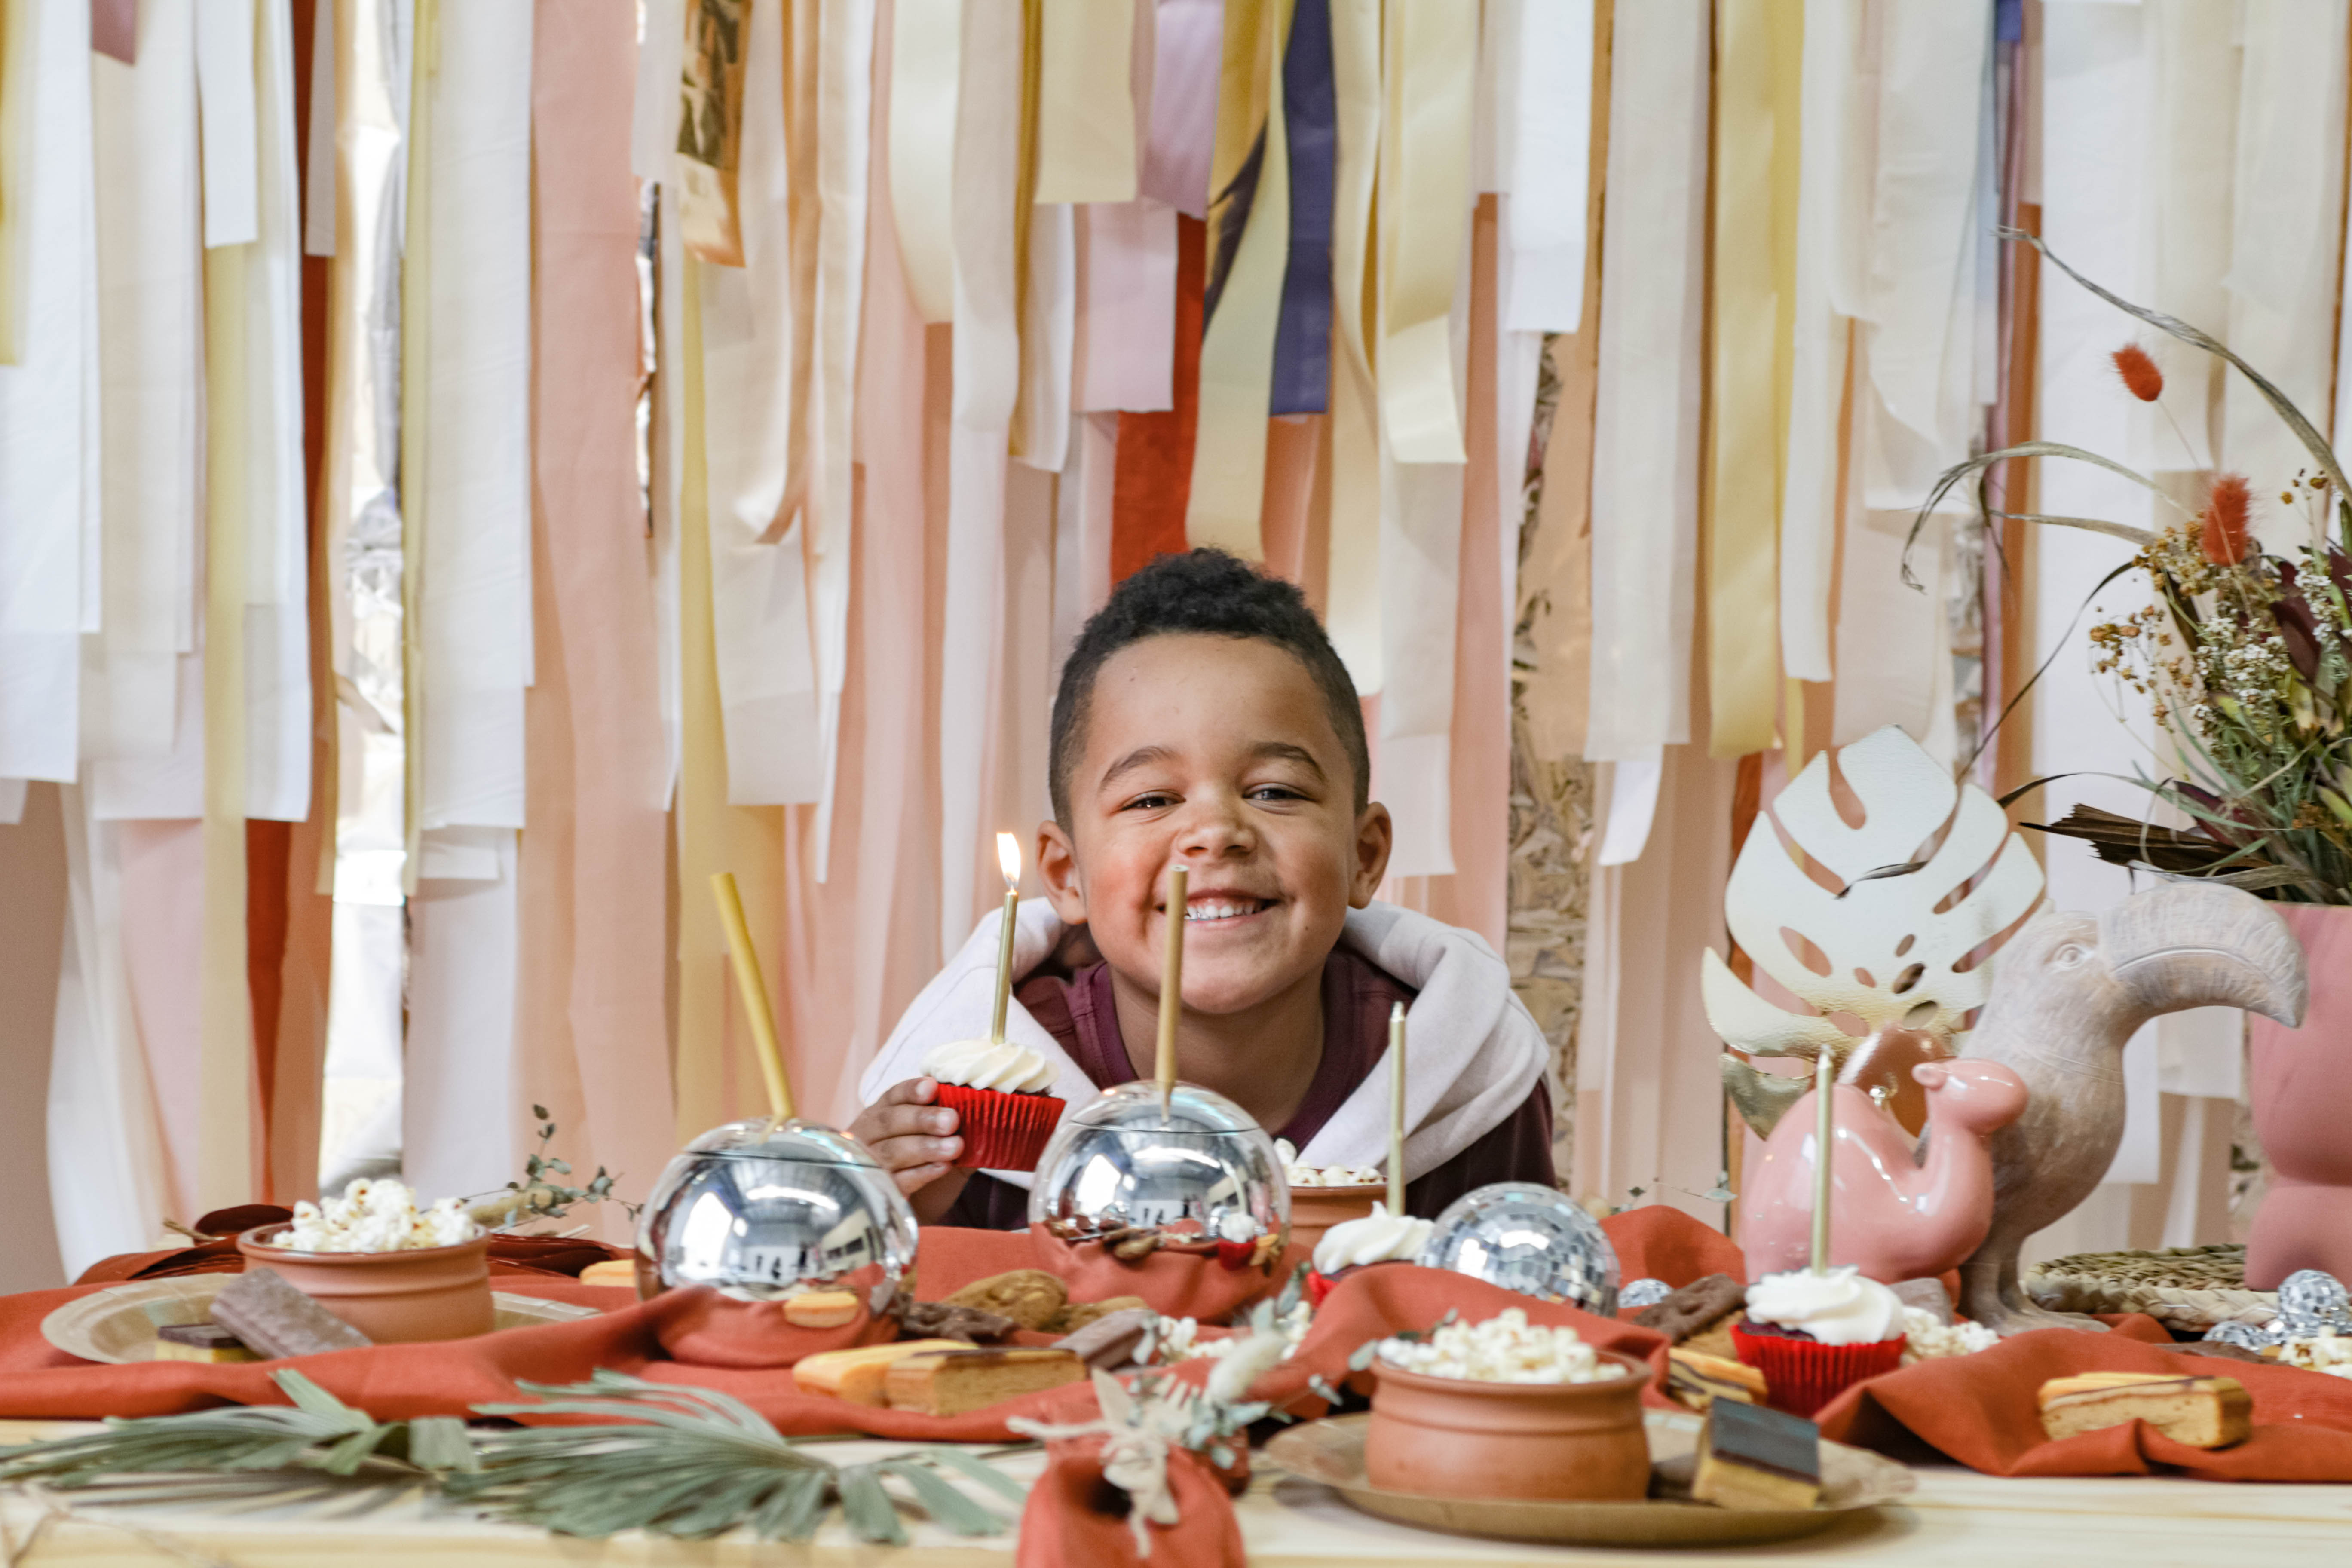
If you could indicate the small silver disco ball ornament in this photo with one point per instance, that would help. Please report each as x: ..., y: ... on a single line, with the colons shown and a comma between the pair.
x: 765, y: 1209
x: 1532, y: 1240
x: 1201, y: 1176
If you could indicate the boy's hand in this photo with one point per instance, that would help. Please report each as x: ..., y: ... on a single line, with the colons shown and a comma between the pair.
x: 914, y: 1138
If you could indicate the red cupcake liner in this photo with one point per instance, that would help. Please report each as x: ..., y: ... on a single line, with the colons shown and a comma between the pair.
x: 1001, y: 1131
x: 1803, y: 1376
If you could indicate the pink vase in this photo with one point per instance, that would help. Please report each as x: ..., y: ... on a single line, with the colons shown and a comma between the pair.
x: 2301, y: 1086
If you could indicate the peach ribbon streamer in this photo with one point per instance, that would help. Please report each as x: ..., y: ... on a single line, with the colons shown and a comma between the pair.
x: 925, y: 48
x: 592, y: 874
x: 987, y: 371
x: 844, y: 115
x: 1086, y: 102
x: 1757, y: 78
x: 1237, y: 348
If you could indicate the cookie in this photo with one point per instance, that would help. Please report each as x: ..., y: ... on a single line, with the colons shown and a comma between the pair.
x: 1698, y: 1306
x: 1076, y: 1315
x: 1030, y: 1297
x: 939, y: 1321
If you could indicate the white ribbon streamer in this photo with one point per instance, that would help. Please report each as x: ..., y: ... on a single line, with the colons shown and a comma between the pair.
x: 1647, y: 422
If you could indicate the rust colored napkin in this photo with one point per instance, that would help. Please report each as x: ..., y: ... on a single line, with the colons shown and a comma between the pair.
x: 395, y: 1383
x: 1076, y: 1519
x: 1661, y: 1242
x: 1398, y: 1298
x: 1176, y: 1284
x: 1981, y: 1410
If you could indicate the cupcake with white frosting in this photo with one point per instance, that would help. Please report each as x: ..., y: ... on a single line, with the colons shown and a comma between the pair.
x: 1378, y: 1236
x: 997, y: 1090
x: 1813, y: 1336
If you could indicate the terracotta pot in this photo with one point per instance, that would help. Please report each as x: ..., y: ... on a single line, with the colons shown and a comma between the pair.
x: 1314, y: 1210
x: 1448, y: 1437
x: 2300, y: 1083
x: 392, y: 1297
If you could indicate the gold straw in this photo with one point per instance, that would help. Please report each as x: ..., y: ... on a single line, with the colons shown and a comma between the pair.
x: 1008, y: 860
x: 754, y: 992
x: 1396, y: 1108
x: 1825, y: 1134
x: 1171, y: 986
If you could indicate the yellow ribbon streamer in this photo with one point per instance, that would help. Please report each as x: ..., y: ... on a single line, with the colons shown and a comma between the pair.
x: 1237, y: 350
x: 225, y: 1147
x: 925, y: 52
x: 1086, y: 102
x: 713, y: 835
x: 1759, y: 51
x: 1424, y: 214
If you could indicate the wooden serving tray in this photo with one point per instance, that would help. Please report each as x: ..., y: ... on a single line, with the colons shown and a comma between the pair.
x: 1852, y: 1479
x: 118, y: 1324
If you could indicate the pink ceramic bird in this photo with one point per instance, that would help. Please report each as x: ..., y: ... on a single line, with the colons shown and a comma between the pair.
x: 1896, y: 1212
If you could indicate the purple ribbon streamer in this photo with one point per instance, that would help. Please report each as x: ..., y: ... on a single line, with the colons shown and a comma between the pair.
x: 1302, y: 335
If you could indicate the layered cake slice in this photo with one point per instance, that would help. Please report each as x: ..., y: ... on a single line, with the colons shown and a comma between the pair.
x: 2201, y: 1412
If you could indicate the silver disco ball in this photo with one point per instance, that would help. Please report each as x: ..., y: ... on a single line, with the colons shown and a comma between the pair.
x: 1533, y: 1239
x: 1123, y: 1172
x: 765, y: 1209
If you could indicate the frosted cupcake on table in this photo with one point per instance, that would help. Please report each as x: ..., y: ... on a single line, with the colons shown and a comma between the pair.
x: 1376, y: 1237
x: 1815, y: 1335
x: 997, y: 1090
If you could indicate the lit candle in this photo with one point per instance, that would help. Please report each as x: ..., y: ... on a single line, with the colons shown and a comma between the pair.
x: 1172, y: 985
x: 1396, y: 1108
x: 1825, y: 1136
x: 1008, y: 860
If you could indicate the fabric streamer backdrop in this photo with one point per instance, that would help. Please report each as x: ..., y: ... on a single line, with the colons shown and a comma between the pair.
x: 611, y: 538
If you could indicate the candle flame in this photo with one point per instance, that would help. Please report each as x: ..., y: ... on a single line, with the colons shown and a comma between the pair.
x: 1008, y: 859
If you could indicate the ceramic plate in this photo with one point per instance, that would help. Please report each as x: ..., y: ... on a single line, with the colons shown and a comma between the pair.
x: 118, y: 1324
x: 1332, y: 1452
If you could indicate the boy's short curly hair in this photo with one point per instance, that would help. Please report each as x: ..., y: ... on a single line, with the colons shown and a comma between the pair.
x: 1206, y: 593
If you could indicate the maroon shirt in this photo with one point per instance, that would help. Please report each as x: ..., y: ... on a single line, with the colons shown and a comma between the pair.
x: 1357, y: 994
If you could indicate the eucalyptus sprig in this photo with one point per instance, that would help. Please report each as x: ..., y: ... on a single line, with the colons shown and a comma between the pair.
x: 695, y: 1463
x: 317, y: 1432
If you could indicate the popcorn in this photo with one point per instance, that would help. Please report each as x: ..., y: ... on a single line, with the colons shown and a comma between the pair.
x: 1178, y: 1339
x: 1324, y: 1176
x: 2330, y: 1353
x: 1505, y: 1348
x: 377, y: 1216
x: 1929, y: 1339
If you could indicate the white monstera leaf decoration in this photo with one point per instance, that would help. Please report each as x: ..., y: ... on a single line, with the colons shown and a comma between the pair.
x: 1890, y: 942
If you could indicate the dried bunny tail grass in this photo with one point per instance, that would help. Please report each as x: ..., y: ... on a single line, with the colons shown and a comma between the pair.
x: 2141, y: 377
x: 2223, y: 526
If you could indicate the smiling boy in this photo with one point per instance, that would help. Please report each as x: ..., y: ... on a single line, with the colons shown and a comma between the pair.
x: 1204, y: 720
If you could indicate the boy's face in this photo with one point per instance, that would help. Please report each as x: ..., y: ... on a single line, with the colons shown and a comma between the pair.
x: 1217, y: 753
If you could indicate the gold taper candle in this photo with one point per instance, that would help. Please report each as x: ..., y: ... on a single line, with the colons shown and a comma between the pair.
x: 1171, y: 985
x: 1396, y: 1108
x: 754, y: 991
x: 1008, y: 860
x: 1824, y: 1139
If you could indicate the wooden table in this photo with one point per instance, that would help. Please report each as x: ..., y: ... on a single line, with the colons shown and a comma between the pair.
x: 1957, y: 1518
